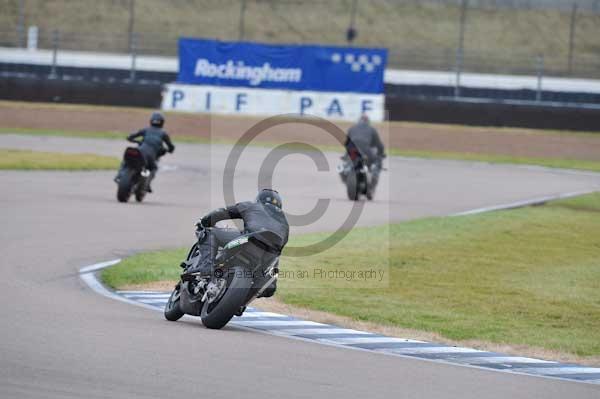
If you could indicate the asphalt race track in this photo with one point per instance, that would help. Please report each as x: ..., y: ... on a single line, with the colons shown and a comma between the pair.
x: 60, y: 339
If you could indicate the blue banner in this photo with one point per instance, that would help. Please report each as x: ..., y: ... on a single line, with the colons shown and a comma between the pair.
x: 291, y: 67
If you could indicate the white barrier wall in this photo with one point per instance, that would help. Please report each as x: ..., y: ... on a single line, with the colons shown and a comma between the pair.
x: 263, y: 102
x: 84, y: 59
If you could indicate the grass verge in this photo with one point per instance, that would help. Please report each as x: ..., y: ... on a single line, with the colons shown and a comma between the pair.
x: 91, y: 135
x: 576, y: 164
x: 145, y: 268
x: 36, y: 160
x: 528, y: 277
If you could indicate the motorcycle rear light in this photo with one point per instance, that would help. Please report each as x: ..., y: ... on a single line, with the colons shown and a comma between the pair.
x: 133, y: 152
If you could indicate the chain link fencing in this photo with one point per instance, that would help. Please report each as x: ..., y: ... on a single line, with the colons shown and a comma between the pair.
x: 525, y: 37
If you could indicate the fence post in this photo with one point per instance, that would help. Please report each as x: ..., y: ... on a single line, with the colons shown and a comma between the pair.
x: 32, y: 38
x: 461, y: 46
x: 572, y: 37
x: 55, y: 42
x: 131, y: 24
x: 242, y: 17
x: 133, y: 49
x: 540, y: 76
x: 351, y: 32
x: 458, y: 66
x: 21, y: 24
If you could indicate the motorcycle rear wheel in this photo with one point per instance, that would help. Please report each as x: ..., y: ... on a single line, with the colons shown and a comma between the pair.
x: 124, y: 188
x: 217, y: 315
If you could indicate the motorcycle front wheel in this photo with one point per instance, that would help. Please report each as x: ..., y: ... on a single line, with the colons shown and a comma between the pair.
x: 140, y: 190
x: 172, y: 309
x: 217, y: 314
x: 352, y: 186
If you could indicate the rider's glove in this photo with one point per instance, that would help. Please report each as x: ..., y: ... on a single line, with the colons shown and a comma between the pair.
x: 203, y: 223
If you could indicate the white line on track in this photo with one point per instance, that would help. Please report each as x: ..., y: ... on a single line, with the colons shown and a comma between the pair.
x: 98, y: 266
x: 276, y: 323
x: 88, y: 275
x: 148, y: 297
x: 262, y: 314
x: 143, y: 293
x: 371, y: 340
x: 434, y: 350
x: 505, y: 359
x: 309, y: 331
x: 521, y: 204
x: 561, y: 370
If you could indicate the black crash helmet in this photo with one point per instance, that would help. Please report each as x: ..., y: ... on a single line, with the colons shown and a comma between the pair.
x: 268, y: 196
x: 157, y: 120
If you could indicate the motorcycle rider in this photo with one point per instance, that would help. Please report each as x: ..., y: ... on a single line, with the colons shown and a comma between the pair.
x: 364, y: 138
x: 265, y: 213
x: 151, y: 145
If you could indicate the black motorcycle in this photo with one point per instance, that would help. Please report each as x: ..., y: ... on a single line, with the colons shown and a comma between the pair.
x: 244, y: 269
x: 358, y: 176
x: 133, y: 176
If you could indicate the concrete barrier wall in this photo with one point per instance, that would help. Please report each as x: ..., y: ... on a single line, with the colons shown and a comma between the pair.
x: 401, y: 108
x: 477, y: 113
x: 81, y: 92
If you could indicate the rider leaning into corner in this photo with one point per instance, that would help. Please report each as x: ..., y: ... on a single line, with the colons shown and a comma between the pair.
x: 364, y: 137
x: 265, y: 213
x: 152, y: 141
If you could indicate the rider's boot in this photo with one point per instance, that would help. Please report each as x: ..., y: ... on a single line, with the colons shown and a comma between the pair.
x: 269, y: 291
x: 240, y: 311
x: 152, y: 175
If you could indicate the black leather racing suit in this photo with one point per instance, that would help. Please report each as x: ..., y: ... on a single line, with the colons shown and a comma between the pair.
x: 365, y: 138
x: 256, y: 216
x: 152, y: 146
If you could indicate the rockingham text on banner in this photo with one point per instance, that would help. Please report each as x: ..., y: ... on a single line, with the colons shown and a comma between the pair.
x: 267, y: 79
